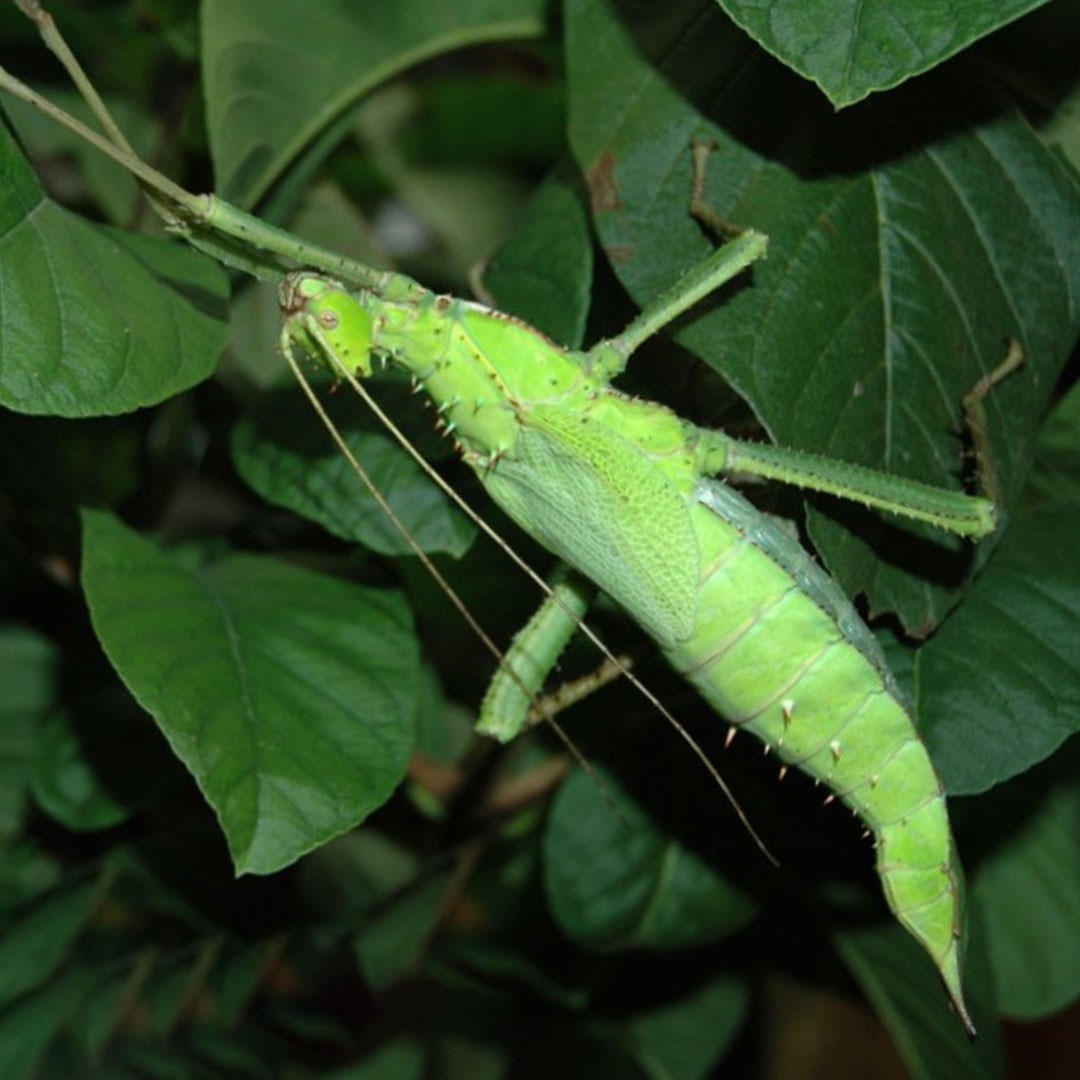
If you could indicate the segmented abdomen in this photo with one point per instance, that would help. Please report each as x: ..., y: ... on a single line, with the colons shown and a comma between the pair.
x: 779, y: 651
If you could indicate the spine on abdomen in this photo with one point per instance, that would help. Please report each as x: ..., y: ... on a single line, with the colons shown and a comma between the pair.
x: 770, y: 657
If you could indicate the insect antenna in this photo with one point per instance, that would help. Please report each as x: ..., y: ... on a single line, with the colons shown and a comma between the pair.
x: 196, y: 217
x: 185, y: 212
x: 437, y: 575
x: 118, y: 149
x: 384, y: 505
x: 209, y: 224
x: 489, y: 531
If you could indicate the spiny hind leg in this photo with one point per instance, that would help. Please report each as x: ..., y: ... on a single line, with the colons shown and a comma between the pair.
x: 952, y: 511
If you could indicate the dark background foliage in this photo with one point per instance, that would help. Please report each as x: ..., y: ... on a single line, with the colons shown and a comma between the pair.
x: 183, y: 553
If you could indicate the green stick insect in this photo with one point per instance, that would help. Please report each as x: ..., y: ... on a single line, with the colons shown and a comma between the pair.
x: 625, y: 492
x: 628, y: 495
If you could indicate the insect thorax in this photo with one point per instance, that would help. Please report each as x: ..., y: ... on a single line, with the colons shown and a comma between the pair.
x: 483, y: 370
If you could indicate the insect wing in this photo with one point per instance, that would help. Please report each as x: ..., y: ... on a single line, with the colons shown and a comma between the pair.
x: 597, y: 501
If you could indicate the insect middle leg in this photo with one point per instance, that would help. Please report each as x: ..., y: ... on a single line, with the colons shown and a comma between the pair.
x: 745, y: 246
x: 513, y: 701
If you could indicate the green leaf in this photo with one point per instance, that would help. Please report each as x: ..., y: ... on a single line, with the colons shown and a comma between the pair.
x: 393, y: 944
x: 95, y: 321
x: 108, y: 183
x: 275, y: 75
x: 352, y: 875
x: 684, y: 1038
x: 617, y: 882
x: 66, y: 786
x: 31, y: 1024
x: 444, y: 733
x: 1037, y: 58
x: 909, y: 241
x: 543, y: 272
x: 26, y: 871
x: 238, y: 980
x: 1056, y: 476
x: 285, y: 454
x: 288, y: 695
x: 457, y: 212
x: 36, y: 941
x: 998, y: 687
x: 495, y: 115
x: 401, y: 1059
x: 29, y: 672
x: 1028, y: 893
x: 851, y: 48
x: 904, y: 989
x: 29, y: 679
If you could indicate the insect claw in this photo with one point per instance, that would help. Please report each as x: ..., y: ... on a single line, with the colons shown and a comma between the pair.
x: 730, y: 736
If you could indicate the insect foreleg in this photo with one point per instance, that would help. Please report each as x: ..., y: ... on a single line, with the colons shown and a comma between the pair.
x: 608, y: 358
x: 235, y: 238
x: 746, y: 246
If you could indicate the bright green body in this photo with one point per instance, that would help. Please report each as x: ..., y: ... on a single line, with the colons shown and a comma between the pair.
x: 615, y: 486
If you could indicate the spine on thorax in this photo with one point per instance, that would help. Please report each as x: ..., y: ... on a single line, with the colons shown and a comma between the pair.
x: 482, y: 369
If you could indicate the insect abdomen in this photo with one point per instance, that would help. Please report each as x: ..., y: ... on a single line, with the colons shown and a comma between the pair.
x: 778, y: 651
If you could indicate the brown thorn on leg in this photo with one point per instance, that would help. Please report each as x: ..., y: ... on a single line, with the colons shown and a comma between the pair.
x: 730, y: 736
x: 783, y: 772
